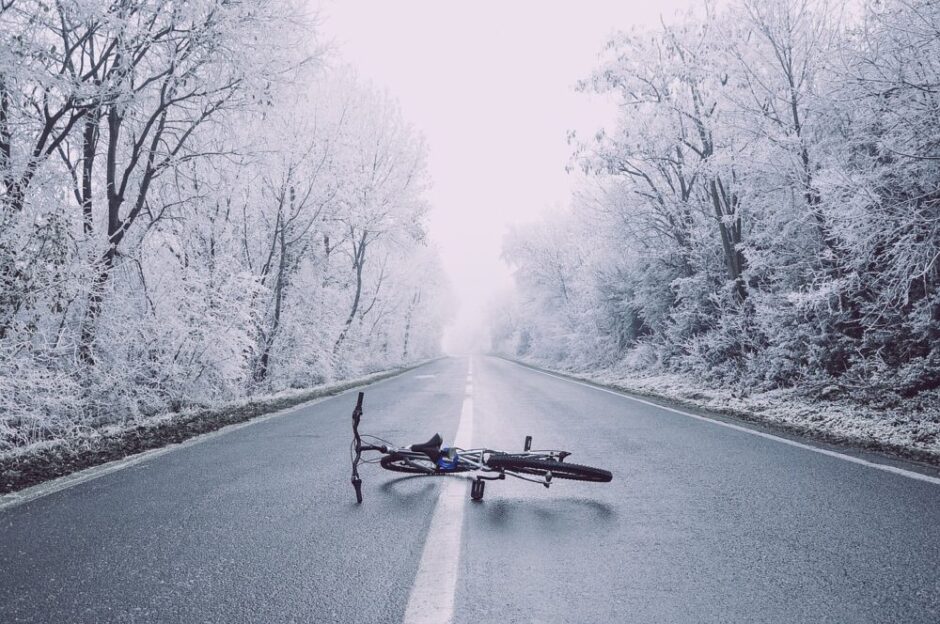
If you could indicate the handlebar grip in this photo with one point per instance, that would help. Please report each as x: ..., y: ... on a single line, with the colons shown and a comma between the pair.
x: 359, y: 401
x: 357, y: 483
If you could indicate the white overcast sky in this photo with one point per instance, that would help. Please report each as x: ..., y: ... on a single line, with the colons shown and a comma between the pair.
x: 490, y: 85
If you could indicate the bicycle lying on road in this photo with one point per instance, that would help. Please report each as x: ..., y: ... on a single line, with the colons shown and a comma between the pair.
x: 430, y: 458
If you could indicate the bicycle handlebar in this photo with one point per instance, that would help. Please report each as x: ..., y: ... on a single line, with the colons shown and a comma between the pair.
x: 357, y: 415
x: 357, y: 441
x: 359, y: 447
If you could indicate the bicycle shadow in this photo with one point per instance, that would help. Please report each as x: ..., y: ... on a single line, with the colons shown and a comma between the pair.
x: 557, y: 515
x: 411, y: 488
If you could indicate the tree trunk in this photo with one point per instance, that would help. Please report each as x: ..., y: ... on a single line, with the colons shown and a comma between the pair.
x: 89, y: 145
x: 6, y: 138
x: 730, y: 236
x: 358, y: 260
x: 411, y: 309
x: 263, y: 366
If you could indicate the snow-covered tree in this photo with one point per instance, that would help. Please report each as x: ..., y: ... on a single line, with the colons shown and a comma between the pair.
x: 764, y: 211
x: 196, y: 206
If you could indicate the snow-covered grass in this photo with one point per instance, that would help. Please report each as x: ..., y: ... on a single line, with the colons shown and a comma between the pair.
x: 910, y: 428
x: 27, y: 465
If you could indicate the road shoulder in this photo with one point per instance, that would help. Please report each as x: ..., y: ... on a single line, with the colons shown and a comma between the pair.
x: 118, y: 446
x: 868, y: 449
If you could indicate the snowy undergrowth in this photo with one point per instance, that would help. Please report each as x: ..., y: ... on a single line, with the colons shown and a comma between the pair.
x: 911, y: 428
x: 89, y: 446
x: 751, y: 225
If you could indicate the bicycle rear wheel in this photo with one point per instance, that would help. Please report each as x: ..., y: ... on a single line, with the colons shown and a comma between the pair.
x: 540, y: 467
x: 415, y: 464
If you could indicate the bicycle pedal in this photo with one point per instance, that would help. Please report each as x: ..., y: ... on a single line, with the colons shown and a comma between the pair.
x: 476, y: 489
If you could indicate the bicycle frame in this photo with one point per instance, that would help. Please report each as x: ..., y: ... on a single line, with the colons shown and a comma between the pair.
x: 474, y: 460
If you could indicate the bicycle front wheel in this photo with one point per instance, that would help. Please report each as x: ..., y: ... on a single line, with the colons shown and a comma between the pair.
x: 541, y: 467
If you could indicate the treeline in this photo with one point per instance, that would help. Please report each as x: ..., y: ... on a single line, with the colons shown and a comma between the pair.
x: 194, y: 208
x: 764, y: 214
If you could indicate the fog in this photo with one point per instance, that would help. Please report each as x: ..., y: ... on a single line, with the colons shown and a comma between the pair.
x: 491, y: 86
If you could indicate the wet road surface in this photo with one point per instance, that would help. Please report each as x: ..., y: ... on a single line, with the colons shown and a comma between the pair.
x: 701, y: 523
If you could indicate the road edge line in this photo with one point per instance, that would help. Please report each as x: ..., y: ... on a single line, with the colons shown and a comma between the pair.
x: 911, y: 474
x: 40, y: 490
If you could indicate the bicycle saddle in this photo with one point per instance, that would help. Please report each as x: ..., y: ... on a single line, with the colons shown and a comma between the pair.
x: 431, y: 448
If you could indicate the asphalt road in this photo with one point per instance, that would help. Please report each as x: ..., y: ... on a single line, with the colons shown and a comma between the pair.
x: 702, y: 523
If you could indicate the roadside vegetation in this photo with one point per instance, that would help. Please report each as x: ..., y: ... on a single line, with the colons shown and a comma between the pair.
x: 762, y: 220
x: 199, y: 205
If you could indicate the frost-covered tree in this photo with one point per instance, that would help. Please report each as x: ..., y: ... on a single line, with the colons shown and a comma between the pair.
x: 764, y: 211
x: 196, y: 207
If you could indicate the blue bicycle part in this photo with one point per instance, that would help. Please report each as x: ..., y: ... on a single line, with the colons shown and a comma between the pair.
x: 448, y: 459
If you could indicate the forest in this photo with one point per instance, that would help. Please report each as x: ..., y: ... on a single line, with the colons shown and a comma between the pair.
x: 762, y: 214
x: 201, y: 204
x: 198, y: 204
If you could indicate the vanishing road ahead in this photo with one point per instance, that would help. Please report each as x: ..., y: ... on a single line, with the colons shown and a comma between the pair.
x: 702, y: 523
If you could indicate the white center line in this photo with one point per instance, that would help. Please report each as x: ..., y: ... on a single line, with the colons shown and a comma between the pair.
x: 432, y: 595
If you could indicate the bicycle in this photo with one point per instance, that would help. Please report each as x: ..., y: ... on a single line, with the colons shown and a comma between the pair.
x: 433, y: 459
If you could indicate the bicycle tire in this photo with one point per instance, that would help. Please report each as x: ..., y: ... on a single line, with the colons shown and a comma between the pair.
x: 559, y: 470
x: 399, y: 462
